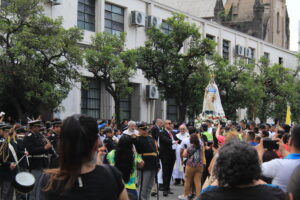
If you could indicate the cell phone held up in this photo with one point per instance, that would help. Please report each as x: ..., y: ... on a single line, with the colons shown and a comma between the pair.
x: 270, y: 144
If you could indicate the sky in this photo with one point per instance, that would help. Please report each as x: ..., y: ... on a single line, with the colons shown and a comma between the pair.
x: 294, y: 13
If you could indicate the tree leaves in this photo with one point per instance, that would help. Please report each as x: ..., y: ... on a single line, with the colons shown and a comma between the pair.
x: 38, y: 59
x: 280, y: 87
x: 177, y: 71
x: 107, y: 59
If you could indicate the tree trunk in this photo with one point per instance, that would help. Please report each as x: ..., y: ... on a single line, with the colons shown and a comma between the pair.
x: 117, y: 110
x: 18, y: 108
x: 182, y: 113
x: 263, y: 112
x: 45, y: 113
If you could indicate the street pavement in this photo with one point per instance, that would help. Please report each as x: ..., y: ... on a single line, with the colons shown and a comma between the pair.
x: 177, y: 190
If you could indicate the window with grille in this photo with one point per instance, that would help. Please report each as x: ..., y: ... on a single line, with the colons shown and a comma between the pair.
x: 172, y: 110
x: 252, y: 56
x: 166, y: 28
x: 267, y: 55
x: 226, y: 48
x: 210, y: 37
x: 4, y: 3
x: 114, y: 19
x: 90, y: 99
x: 280, y: 60
x: 125, y: 106
x: 86, y: 15
x: 278, y: 23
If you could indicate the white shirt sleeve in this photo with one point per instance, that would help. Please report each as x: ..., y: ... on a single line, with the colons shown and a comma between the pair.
x: 269, y: 168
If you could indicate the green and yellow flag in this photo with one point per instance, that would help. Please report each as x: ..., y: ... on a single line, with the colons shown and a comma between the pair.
x: 288, y: 119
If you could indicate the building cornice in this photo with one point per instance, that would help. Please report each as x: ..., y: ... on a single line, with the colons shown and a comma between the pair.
x: 216, y: 25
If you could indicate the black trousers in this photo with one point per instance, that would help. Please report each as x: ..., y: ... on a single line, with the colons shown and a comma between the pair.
x: 7, y: 190
x: 167, y: 170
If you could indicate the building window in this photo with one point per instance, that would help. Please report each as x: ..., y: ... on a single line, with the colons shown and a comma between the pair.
x: 226, y: 47
x: 278, y: 22
x: 166, y: 28
x: 90, y: 99
x: 86, y: 15
x: 4, y: 3
x: 172, y: 110
x: 210, y: 37
x: 114, y: 19
x: 250, y: 54
x: 267, y: 55
x: 125, y: 106
x: 280, y: 60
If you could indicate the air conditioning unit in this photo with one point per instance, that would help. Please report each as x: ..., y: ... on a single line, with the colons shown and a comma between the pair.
x: 54, y: 2
x: 152, y: 92
x: 153, y: 21
x: 240, y: 51
x: 138, y: 18
x: 248, y: 52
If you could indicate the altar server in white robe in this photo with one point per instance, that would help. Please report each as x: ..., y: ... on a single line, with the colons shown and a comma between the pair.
x: 178, y: 173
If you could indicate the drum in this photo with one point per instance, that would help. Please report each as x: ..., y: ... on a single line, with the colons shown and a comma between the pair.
x: 24, y: 182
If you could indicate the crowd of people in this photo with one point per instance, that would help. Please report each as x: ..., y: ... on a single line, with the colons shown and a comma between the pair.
x: 81, y: 158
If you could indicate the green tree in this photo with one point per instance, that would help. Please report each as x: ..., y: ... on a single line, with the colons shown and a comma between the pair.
x: 280, y: 87
x: 295, y: 105
x: 37, y: 59
x: 237, y: 86
x: 175, y: 62
x: 110, y: 63
x: 198, y: 82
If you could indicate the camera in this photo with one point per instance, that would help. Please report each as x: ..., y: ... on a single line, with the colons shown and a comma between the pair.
x: 270, y: 144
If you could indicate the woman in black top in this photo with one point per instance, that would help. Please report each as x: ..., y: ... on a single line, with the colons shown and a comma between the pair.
x: 238, y: 171
x: 78, y: 176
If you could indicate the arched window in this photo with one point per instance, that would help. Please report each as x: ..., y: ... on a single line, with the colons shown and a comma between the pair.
x: 278, y: 22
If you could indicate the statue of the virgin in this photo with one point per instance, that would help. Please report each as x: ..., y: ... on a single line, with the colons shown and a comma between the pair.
x: 212, y: 102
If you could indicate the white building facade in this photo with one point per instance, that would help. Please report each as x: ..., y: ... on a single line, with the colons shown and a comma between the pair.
x: 115, y: 16
x: 298, y: 36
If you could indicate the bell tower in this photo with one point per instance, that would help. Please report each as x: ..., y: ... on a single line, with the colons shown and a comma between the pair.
x: 264, y: 19
x: 219, y: 11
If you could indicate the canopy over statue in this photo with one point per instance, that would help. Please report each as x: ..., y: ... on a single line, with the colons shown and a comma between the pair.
x: 212, y: 102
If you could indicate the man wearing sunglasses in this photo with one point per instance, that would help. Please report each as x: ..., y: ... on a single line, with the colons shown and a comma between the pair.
x: 167, y: 145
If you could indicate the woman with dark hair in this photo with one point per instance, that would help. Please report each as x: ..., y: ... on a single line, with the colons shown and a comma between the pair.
x: 126, y: 160
x: 238, y: 171
x: 78, y: 176
x: 194, y: 166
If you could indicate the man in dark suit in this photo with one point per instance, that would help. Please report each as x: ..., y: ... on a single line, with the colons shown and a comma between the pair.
x: 167, y: 155
x: 156, y: 129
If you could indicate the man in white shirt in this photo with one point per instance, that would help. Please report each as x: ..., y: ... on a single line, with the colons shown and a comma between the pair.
x: 131, y: 130
x: 178, y: 174
x: 281, y: 169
